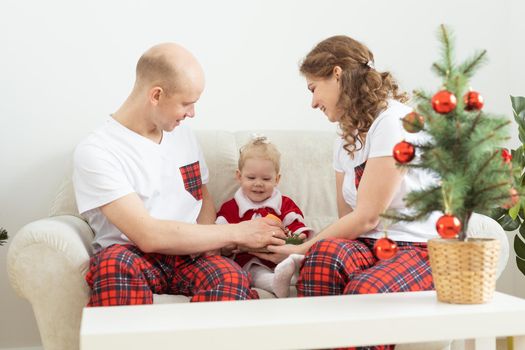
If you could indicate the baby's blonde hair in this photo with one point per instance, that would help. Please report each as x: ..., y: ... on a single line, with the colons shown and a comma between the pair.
x: 260, y: 147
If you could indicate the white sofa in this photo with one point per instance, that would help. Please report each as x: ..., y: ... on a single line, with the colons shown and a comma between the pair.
x: 48, y: 258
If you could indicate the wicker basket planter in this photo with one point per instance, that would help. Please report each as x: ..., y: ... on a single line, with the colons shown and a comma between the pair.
x: 464, y: 272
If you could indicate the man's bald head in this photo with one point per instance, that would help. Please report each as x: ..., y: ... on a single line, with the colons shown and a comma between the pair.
x: 168, y: 66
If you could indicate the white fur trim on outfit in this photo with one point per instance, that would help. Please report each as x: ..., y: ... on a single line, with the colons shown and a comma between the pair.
x: 245, y: 204
x: 291, y: 217
x: 304, y: 229
x: 221, y: 220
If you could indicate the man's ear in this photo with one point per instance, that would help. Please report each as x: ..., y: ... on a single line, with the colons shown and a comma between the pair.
x: 154, y: 95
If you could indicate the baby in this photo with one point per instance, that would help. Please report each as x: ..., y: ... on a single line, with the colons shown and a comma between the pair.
x: 258, y: 196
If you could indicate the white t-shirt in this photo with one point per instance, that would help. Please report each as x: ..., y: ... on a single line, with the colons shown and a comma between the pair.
x: 384, y: 133
x: 114, y: 161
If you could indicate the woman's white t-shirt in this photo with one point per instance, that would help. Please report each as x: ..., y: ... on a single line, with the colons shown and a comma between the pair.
x: 384, y: 133
x: 114, y: 161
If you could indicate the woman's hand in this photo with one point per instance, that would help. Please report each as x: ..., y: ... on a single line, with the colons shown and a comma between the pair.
x: 281, y: 252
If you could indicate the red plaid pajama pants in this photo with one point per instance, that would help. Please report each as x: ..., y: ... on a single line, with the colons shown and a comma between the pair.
x: 124, y: 275
x: 343, y: 266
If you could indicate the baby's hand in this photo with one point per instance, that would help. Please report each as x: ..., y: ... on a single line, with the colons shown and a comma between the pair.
x: 229, y: 250
x: 212, y: 252
x: 302, y: 236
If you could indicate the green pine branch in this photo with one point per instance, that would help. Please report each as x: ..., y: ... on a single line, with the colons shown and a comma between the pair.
x: 490, y: 188
x: 447, y: 50
x: 459, y: 83
x: 438, y: 156
x: 494, y: 134
x: 421, y: 96
x: 472, y: 64
x: 474, y: 124
x: 416, y: 197
x: 439, y: 69
x: 484, y: 166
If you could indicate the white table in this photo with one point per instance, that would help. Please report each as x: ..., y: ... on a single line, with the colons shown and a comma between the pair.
x: 303, y: 323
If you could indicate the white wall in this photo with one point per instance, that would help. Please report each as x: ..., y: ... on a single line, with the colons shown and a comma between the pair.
x: 65, y: 65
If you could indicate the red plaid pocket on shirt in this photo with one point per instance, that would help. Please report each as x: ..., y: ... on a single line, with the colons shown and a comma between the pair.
x: 191, y: 176
x: 358, y: 173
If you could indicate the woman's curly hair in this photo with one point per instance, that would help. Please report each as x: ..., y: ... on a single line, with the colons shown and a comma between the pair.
x: 364, y: 91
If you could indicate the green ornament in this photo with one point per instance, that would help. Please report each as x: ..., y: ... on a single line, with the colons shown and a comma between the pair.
x: 413, y: 122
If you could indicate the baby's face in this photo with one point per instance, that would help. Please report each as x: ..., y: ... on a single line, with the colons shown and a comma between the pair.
x: 258, y: 178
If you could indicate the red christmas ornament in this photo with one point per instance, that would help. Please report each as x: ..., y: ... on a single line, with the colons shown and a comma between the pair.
x: 514, y: 198
x: 506, y: 155
x: 385, y: 248
x: 448, y: 226
x: 413, y: 122
x: 473, y: 101
x: 444, y: 102
x: 404, y: 152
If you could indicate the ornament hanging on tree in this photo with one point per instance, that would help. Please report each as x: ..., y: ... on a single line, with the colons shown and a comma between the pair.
x: 404, y: 152
x: 448, y: 226
x: 385, y: 248
x: 444, y: 102
x: 506, y: 155
x: 413, y: 122
x: 473, y: 101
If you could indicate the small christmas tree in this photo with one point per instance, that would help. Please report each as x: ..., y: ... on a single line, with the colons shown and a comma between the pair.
x: 3, y: 236
x: 462, y: 149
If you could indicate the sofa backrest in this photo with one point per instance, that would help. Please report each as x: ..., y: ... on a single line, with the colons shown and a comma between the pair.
x: 306, y: 168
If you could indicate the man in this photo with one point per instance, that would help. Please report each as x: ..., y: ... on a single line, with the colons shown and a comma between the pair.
x: 140, y: 181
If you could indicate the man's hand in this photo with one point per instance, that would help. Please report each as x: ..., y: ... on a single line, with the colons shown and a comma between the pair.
x: 259, y: 233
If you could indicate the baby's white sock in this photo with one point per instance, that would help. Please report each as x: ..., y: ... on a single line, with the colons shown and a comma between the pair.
x: 286, y: 273
x: 262, y: 277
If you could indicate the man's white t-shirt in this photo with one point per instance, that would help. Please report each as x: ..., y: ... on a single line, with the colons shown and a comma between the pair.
x: 384, y: 133
x: 114, y: 161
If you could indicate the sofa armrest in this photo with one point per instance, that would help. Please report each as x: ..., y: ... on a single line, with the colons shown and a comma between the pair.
x: 46, y: 262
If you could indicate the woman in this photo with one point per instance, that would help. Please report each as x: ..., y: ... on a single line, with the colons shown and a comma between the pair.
x: 368, y: 108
